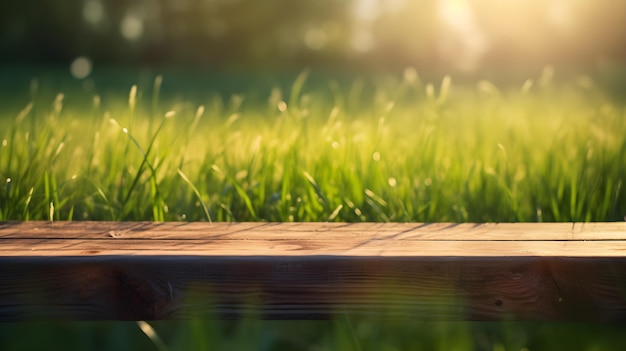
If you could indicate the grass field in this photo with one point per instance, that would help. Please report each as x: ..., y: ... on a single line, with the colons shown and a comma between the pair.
x: 396, y: 149
x: 392, y: 148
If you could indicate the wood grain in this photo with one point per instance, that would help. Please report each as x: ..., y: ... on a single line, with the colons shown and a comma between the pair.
x: 443, y: 271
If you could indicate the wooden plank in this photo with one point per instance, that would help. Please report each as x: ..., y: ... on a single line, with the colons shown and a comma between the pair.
x: 330, y: 231
x: 146, y: 271
x: 49, y: 247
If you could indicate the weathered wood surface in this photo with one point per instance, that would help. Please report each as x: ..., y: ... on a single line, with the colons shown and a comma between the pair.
x: 147, y: 271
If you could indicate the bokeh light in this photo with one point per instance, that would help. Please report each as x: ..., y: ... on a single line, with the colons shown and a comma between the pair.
x: 93, y: 12
x: 81, y: 67
x: 131, y: 26
x: 432, y: 35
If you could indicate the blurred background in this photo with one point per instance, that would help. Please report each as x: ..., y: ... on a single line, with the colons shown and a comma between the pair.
x: 463, y: 37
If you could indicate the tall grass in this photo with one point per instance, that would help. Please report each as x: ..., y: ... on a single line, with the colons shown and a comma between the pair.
x: 395, y: 149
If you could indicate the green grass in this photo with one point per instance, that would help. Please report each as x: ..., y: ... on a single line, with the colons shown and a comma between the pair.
x: 402, y: 151
x: 360, y: 334
x: 380, y: 149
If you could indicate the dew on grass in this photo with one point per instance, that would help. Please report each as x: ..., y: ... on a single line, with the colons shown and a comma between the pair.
x: 376, y: 156
x: 392, y: 182
x: 282, y: 106
x: 170, y: 114
x: 5, y: 142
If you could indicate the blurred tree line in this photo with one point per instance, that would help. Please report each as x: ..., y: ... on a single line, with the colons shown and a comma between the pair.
x: 288, y: 34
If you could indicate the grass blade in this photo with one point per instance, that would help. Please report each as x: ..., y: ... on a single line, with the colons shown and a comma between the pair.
x: 184, y: 177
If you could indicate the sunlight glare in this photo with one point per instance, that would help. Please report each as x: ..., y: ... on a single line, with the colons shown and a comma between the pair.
x: 559, y: 14
x: 365, y: 12
x: 456, y: 14
x: 464, y: 44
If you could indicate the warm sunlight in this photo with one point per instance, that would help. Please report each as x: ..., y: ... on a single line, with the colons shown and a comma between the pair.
x: 463, y: 43
x: 469, y: 34
x: 518, y: 30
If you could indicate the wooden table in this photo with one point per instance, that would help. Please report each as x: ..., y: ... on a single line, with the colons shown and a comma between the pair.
x: 442, y: 271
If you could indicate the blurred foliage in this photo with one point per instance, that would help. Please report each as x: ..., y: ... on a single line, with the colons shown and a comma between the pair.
x: 284, y: 34
x: 345, y: 334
